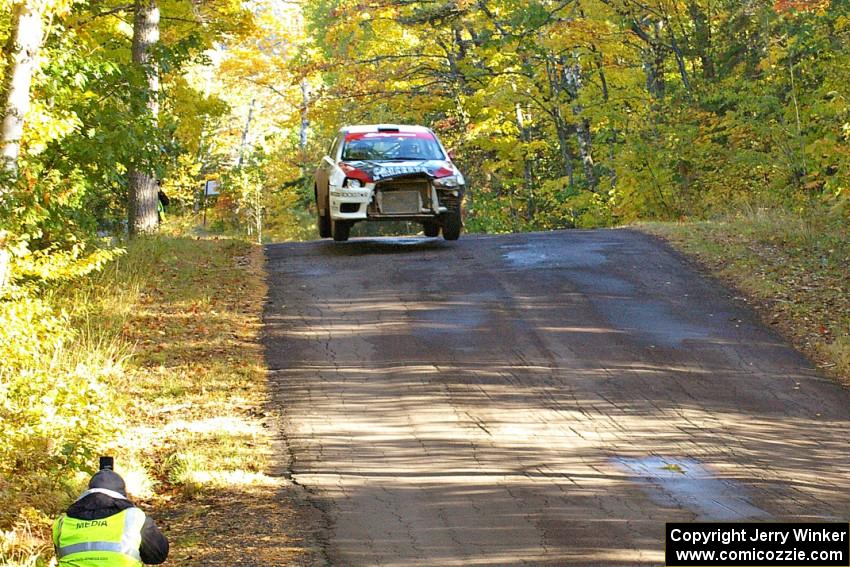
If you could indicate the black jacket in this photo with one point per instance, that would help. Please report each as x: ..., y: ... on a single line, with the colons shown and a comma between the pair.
x: 96, y: 506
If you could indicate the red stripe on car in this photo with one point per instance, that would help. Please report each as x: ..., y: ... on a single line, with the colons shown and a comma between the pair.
x: 354, y: 173
x: 372, y: 135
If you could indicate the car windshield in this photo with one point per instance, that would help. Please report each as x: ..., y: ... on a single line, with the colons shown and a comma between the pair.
x: 384, y: 146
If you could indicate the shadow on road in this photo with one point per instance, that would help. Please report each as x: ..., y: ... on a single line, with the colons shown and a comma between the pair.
x: 539, y: 399
x: 383, y: 246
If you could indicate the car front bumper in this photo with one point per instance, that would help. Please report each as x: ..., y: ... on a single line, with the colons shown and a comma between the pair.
x: 362, y: 203
x: 350, y: 203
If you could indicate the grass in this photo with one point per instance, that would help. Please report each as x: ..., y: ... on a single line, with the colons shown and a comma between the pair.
x: 177, y: 320
x: 197, y: 377
x: 187, y: 312
x: 22, y: 546
x: 794, y: 269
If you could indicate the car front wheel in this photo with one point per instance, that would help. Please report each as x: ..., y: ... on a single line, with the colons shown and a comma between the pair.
x: 452, y: 224
x: 323, y: 221
x: 340, y: 230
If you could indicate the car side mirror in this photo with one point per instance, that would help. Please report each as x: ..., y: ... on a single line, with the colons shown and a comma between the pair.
x: 451, y: 154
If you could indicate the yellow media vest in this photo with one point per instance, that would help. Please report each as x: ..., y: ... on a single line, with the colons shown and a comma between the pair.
x: 112, y: 541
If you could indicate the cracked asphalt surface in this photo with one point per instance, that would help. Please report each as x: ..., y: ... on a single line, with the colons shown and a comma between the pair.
x: 537, y: 399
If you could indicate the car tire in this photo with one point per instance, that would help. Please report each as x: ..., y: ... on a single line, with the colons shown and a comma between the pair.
x: 431, y: 229
x: 452, y: 224
x: 340, y: 230
x: 323, y: 221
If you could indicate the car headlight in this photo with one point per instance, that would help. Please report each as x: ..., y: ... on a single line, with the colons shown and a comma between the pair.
x: 449, y: 182
x: 354, y: 183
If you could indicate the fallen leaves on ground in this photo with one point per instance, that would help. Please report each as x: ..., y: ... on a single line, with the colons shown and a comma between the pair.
x: 202, y: 420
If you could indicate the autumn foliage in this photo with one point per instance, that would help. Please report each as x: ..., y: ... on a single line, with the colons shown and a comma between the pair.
x: 562, y: 113
x: 601, y: 111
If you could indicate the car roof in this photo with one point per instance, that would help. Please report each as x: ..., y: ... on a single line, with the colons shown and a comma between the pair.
x: 366, y: 128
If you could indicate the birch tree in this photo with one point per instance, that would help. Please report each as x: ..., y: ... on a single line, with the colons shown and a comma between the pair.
x: 21, y: 62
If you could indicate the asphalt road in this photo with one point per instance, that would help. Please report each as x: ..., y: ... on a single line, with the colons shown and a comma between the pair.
x: 537, y: 399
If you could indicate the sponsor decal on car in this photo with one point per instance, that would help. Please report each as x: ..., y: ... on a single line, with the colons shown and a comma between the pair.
x: 397, y: 170
x: 380, y: 172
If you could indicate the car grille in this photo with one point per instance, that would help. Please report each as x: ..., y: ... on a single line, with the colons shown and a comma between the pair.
x: 402, y: 197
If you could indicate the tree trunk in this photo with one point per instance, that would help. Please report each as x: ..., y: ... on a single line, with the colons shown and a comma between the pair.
x: 653, y: 55
x: 612, y: 132
x: 573, y: 82
x: 26, y: 34
x: 258, y: 206
x: 143, y: 215
x: 305, y: 115
x: 680, y: 62
x: 653, y: 66
x: 603, y: 81
x: 658, y: 58
x: 584, y: 150
x: 528, y: 172
x: 303, y: 138
x: 145, y: 36
x: 245, y: 131
x: 564, y: 130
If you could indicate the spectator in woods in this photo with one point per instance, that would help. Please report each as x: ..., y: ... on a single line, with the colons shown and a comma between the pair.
x: 162, y: 202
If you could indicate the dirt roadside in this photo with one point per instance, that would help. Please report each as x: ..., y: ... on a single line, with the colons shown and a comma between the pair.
x: 202, y: 414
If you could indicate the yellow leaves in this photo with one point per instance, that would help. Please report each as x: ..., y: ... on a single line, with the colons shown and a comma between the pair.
x: 59, y: 265
x: 54, y: 405
x: 45, y: 125
x: 790, y: 6
x: 28, y: 326
x: 578, y: 32
x: 52, y: 8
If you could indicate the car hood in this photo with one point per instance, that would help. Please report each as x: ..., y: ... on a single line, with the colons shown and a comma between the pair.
x: 380, y: 170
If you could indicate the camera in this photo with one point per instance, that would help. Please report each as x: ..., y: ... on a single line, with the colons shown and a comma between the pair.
x: 107, y: 463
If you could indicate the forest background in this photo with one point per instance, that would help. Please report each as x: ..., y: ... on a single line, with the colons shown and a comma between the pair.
x: 562, y: 114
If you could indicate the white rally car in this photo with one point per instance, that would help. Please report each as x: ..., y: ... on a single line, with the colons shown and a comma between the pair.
x: 388, y: 172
